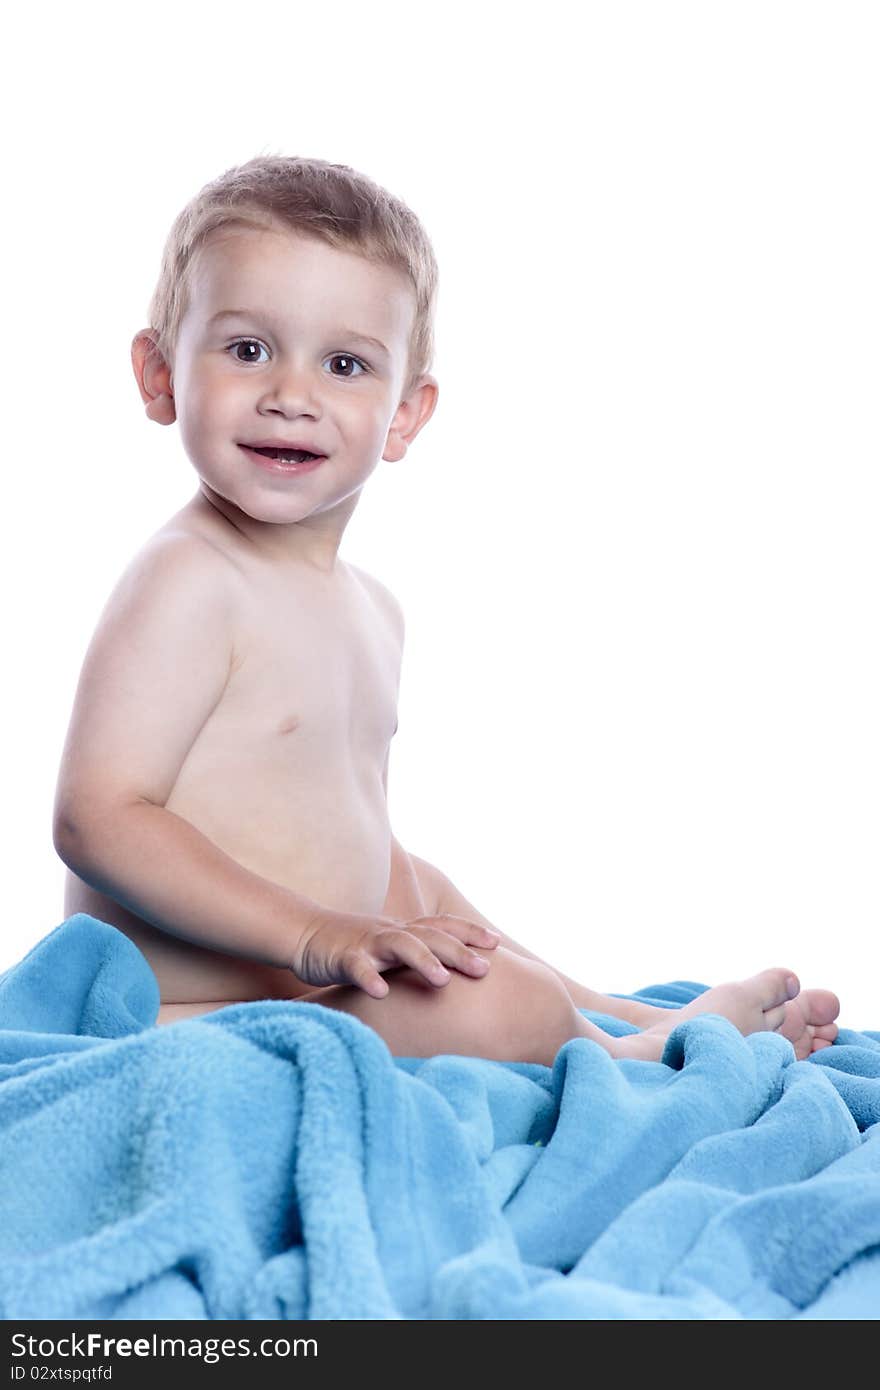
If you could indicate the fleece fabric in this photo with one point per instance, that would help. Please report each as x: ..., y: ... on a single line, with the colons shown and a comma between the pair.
x: 274, y: 1160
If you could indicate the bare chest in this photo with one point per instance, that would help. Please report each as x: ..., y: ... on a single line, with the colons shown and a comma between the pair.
x: 314, y: 677
x: 286, y: 774
x: 310, y: 706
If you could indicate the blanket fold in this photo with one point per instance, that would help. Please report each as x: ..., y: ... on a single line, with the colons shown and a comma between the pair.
x: 273, y: 1160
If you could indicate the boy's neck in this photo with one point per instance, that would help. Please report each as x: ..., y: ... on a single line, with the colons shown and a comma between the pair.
x: 311, y: 543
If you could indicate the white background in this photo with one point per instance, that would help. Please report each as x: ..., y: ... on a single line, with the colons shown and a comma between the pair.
x: 637, y: 543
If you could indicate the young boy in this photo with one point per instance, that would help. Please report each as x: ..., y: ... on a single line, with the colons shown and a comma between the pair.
x: 222, y: 791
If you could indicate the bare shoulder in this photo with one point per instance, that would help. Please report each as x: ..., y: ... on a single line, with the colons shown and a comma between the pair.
x: 175, y: 559
x: 156, y: 667
x: 177, y: 582
x: 383, y: 597
x: 201, y: 542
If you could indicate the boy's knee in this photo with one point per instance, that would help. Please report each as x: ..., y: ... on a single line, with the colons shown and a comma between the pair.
x: 519, y: 1011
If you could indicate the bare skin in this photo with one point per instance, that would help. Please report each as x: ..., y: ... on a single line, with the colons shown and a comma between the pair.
x: 287, y: 773
x: 254, y: 766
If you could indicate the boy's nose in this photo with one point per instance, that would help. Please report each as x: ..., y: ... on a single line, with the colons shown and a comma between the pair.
x: 291, y: 389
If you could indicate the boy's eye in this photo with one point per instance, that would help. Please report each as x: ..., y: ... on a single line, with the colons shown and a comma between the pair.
x: 349, y: 362
x: 245, y: 343
x: 252, y: 345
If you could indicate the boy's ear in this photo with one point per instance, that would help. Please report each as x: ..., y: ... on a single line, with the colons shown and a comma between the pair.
x: 410, y: 416
x: 153, y: 377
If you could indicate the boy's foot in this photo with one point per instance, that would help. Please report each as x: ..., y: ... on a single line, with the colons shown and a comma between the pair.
x: 809, y: 1021
x: 769, y: 1002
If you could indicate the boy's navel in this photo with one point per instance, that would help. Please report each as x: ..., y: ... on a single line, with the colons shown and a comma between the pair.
x: 288, y: 725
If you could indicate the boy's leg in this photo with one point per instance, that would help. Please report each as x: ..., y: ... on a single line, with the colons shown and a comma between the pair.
x: 518, y: 1012
x: 440, y: 896
x: 521, y: 1012
x: 808, y: 1018
x: 172, y: 1013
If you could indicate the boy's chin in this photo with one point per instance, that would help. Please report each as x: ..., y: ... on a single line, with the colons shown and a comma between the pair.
x: 277, y: 508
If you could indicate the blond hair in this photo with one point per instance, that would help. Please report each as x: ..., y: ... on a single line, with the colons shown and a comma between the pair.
x: 332, y: 202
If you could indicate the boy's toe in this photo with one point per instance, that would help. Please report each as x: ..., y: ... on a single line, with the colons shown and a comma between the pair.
x: 821, y: 1006
x: 775, y: 987
x: 825, y: 1032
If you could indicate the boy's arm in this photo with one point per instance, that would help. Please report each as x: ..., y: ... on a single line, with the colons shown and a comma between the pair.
x: 154, y: 671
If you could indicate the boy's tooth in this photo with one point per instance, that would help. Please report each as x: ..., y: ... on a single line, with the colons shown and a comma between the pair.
x: 285, y: 455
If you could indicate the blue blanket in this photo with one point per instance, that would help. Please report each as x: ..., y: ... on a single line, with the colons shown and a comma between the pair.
x: 273, y: 1160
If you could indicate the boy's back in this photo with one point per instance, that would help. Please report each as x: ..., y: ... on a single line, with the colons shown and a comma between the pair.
x: 287, y: 772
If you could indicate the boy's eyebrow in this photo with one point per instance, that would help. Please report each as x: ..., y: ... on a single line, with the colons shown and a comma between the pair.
x: 343, y: 332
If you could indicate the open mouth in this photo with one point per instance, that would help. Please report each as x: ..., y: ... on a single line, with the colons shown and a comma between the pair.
x: 286, y: 455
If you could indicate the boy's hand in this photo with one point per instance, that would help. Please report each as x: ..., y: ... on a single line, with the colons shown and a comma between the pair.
x: 348, y: 948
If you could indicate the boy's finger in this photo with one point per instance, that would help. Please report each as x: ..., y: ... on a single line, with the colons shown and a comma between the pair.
x: 489, y: 939
x: 457, y: 954
x: 450, y: 949
x: 462, y: 927
x: 367, y: 978
x: 407, y: 949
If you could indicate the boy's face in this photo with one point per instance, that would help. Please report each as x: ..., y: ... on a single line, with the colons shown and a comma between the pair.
x: 293, y: 366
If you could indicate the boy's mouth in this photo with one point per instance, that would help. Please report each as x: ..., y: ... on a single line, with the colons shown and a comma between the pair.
x: 285, y: 455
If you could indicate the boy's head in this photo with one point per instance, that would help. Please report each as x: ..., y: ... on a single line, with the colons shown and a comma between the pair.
x: 320, y: 260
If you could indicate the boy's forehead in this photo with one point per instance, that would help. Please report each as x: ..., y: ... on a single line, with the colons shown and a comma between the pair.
x: 287, y: 274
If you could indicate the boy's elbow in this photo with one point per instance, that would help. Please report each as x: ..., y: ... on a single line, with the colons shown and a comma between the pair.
x: 65, y: 844
x: 75, y: 828
x: 68, y: 836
